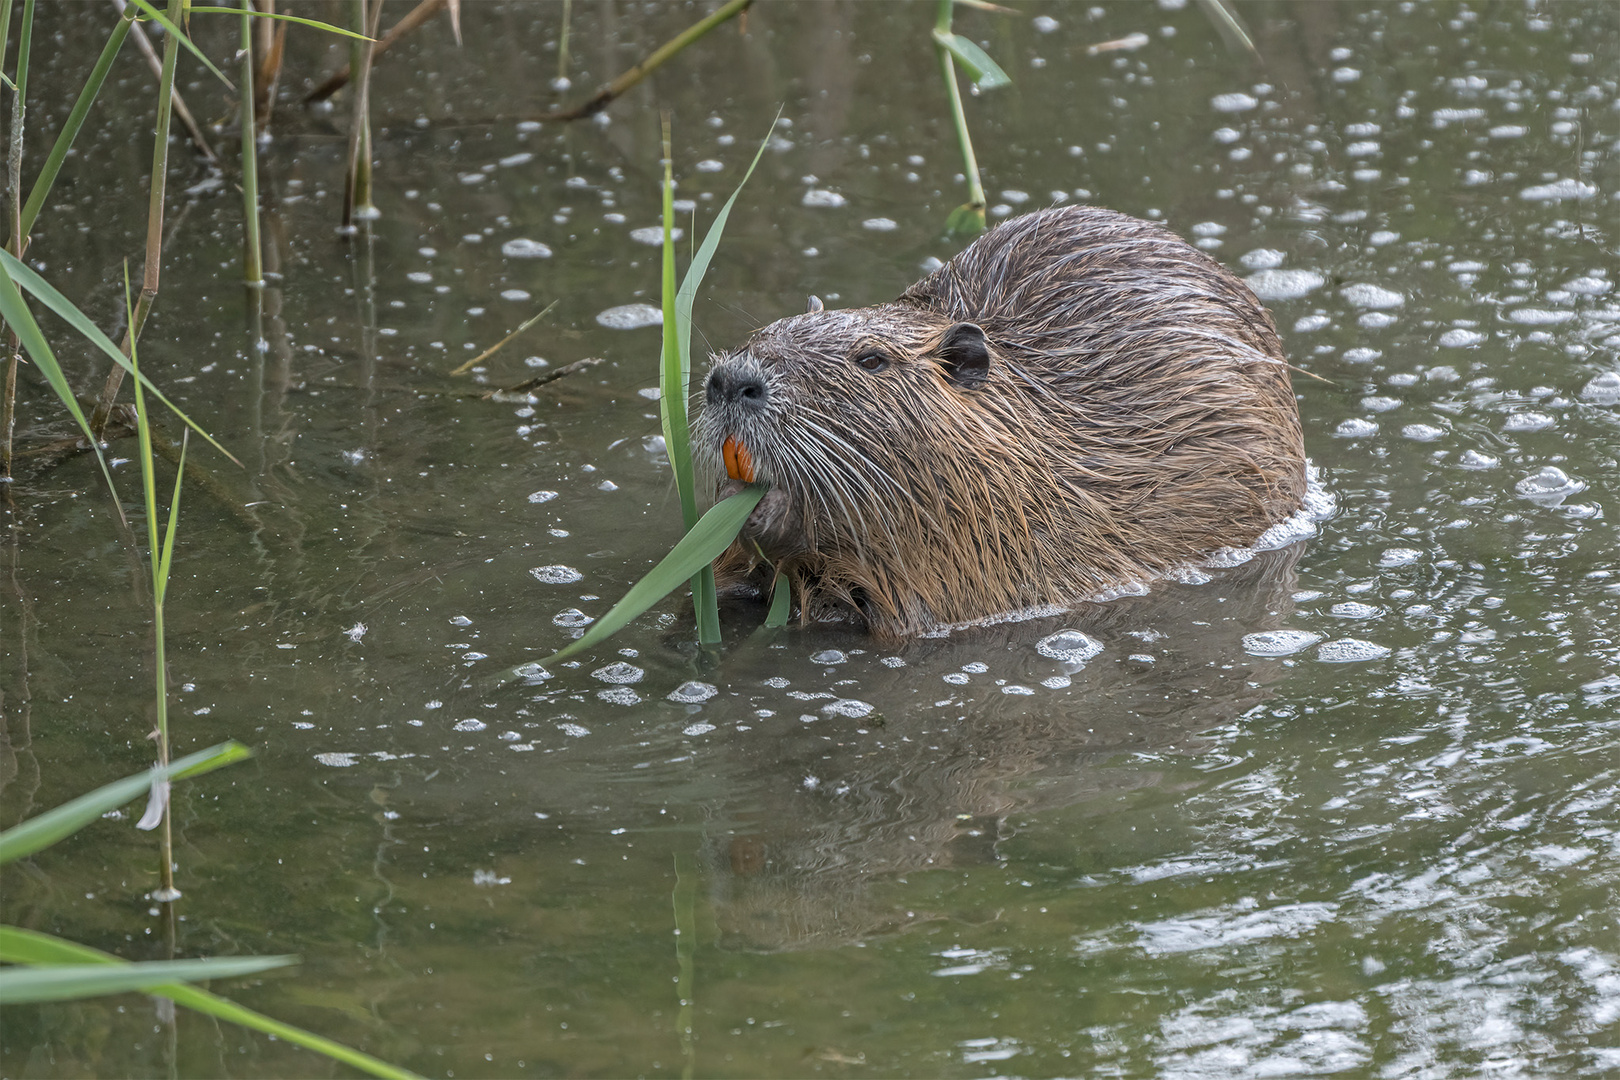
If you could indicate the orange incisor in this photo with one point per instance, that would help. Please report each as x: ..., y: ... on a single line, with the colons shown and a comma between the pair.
x: 739, y: 464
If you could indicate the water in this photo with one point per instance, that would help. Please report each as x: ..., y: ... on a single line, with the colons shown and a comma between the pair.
x: 1346, y: 808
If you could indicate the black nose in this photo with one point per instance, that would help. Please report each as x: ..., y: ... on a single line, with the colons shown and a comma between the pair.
x: 732, y: 387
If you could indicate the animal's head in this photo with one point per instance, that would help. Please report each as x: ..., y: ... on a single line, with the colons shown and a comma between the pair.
x: 842, y: 413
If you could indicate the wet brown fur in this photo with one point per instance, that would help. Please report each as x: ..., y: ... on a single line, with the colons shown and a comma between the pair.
x: 1136, y: 415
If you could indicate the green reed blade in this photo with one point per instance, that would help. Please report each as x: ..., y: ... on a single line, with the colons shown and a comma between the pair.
x: 45, y: 293
x: 163, y: 20
x: 30, y: 947
x: 69, y: 981
x: 781, y: 602
x: 17, y: 316
x: 702, y: 544
x: 75, y: 121
x: 316, y: 23
x: 700, y: 266
x: 985, y: 72
x: 43, y: 830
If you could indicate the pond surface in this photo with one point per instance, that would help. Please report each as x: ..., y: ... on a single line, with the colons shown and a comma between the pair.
x: 1349, y: 808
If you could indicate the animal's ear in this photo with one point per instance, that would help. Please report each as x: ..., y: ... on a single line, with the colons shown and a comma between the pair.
x: 965, y: 355
x: 813, y: 305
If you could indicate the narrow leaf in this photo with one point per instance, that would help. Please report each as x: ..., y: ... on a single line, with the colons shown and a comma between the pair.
x: 17, y: 316
x: 700, y: 265
x: 162, y: 20
x: 781, y: 602
x: 46, y: 829
x: 30, y: 947
x: 65, y: 982
x: 317, y: 24
x: 46, y: 293
x: 984, y: 72
x: 713, y: 533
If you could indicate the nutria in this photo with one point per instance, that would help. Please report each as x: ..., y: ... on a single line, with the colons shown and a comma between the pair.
x: 1079, y: 401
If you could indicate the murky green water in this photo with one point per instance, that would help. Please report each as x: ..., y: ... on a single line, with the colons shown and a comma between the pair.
x: 1348, y: 809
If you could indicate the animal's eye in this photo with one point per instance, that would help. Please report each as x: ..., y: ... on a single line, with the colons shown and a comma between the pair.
x: 872, y: 361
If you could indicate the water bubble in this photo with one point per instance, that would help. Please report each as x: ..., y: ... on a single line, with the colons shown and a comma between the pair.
x: 1311, y: 323
x: 525, y: 249
x: 1353, y: 609
x: 1263, y: 259
x: 469, y: 725
x: 1232, y: 103
x: 1604, y: 389
x: 709, y: 165
x: 530, y: 672
x: 1527, y: 421
x: 653, y: 235
x: 541, y: 496
x: 619, y: 672
x: 697, y: 729
x: 1045, y: 24
x: 1070, y: 645
x: 1272, y: 285
x: 574, y: 730
x: 1016, y: 690
x: 1549, y: 487
x: 1057, y: 682
x: 619, y: 695
x: 1422, y: 432
x: 693, y: 693
x: 819, y: 197
x: 1539, y: 316
x: 1350, y: 650
x: 880, y: 224
x: 847, y: 707
x: 1279, y: 642
x: 630, y: 317
x: 337, y: 761
x: 1375, y: 297
x: 1559, y: 190
x: 829, y: 656
x: 572, y: 618
x: 556, y: 575
x: 1378, y: 403
x: 1399, y: 556
x: 1361, y: 355
x: 1473, y: 459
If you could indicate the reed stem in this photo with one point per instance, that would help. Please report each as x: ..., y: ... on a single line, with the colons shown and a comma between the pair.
x: 154, y: 224
x: 19, y: 111
x: 969, y: 218
x: 252, y: 258
x: 357, y: 183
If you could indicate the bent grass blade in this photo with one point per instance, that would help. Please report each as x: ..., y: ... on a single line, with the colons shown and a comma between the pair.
x: 713, y: 533
x: 20, y: 946
x: 46, y: 293
x: 43, y: 830
x: 63, y: 982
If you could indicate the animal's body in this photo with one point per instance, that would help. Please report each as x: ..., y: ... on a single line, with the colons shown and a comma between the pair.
x: 1078, y: 401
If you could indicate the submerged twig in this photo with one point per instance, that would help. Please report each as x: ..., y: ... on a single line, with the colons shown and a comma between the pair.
x: 541, y: 380
x: 493, y: 349
x: 1230, y: 26
x: 606, y: 95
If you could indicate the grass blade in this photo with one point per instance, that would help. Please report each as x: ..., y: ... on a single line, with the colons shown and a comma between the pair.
x: 713, y: 533
x: 985, y: 72
x: 46, y: 293
x: 163, y: 20
x: 17, y: 316
x: 29, y: 947
x: 43, y: 830
x: 316, y: 23
x: 66, y: 981
x: 700, y: 266
x: 75, y: 121
x: 781, y: 602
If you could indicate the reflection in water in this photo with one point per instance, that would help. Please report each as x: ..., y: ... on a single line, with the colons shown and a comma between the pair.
x: 822, y: 809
